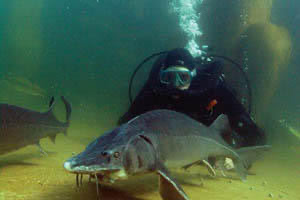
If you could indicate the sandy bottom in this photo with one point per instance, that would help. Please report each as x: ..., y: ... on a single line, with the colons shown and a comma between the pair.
x: 28, y: 175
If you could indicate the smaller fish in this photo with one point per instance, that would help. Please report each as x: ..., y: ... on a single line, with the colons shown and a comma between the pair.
x: 294, y: 132
x: 290, y: 129
x: 24, y: 85
x: 20, y: 127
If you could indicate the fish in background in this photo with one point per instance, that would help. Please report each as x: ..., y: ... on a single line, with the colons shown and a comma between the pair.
x: 291, y: 129
x: 155, y: 142
x: 20, y: 127
x: 295, y: 132
x: 23, y: 85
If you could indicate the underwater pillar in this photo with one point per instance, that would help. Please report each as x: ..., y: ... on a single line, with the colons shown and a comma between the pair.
x: 243, y: 31
x: 264, y: 48
x: 268, y: 50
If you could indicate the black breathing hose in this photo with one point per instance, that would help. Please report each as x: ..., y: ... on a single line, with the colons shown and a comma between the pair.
x: 137, y: 69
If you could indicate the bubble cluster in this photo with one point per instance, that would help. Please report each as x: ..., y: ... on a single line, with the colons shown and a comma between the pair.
x: 244, y: 17
x: 188, y: 21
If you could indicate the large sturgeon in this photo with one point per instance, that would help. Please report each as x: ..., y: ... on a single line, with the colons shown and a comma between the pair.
x: 154, y: 142
x: 21, y: 127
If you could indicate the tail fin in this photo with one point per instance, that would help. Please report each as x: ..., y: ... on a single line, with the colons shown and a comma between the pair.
x: 68, y: 112
x: 240, y: 168
x: 51, y: 102
x: 68, y: 109
x: 243, y: 159
x: 251, y: 154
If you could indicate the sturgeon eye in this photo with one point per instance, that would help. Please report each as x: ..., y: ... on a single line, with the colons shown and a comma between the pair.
x: 116, y: 154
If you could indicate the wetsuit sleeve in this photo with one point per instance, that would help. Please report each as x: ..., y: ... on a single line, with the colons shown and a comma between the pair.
x: 249, y: 134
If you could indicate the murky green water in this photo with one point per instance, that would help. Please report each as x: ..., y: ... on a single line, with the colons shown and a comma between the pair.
x: 87, y: 50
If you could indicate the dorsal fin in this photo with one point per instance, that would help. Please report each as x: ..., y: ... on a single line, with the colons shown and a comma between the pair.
x: 221, y: 124
x: 221, y: 128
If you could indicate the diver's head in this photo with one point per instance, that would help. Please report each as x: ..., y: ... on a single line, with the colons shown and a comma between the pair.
x: 178, y: 69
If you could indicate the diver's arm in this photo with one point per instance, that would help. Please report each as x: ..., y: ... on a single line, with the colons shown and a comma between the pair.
x: 142, y: 103
x: 240, y: 121
x: 250, y: 133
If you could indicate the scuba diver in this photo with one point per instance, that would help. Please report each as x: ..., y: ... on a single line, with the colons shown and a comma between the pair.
x: 185, y: 84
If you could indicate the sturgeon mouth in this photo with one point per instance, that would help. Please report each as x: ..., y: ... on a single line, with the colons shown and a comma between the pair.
x: 103, y: 174
x: 92, y: 169
x: 99, y: 173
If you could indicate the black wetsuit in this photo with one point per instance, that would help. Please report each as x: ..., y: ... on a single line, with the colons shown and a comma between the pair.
x: 208, y: 86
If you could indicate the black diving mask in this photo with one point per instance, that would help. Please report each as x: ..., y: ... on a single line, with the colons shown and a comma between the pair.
x: 177, y: 76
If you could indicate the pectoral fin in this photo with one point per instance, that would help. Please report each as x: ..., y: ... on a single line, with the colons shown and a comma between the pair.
x: 185, y: 167
x: 206, y: 163
x: 220, y: 164
x: 41, y: 149
x: 169, y: 189
x: 209, y: 168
